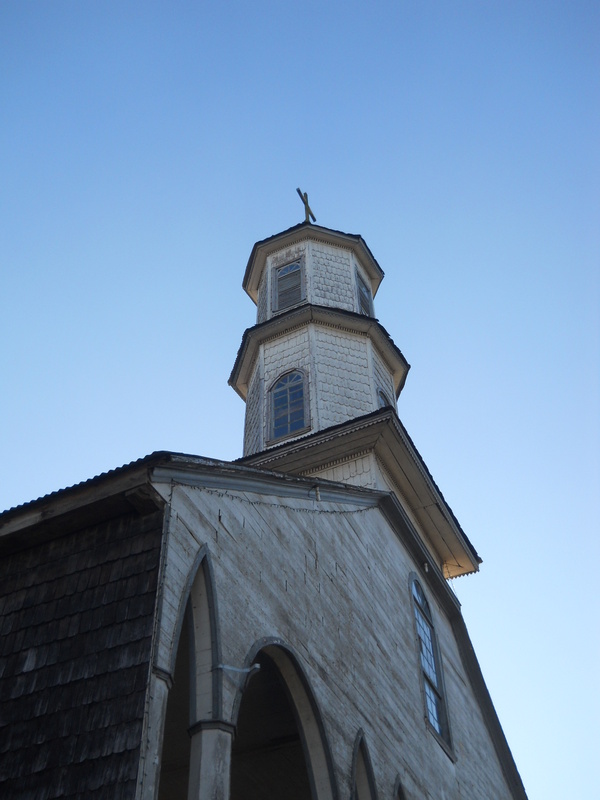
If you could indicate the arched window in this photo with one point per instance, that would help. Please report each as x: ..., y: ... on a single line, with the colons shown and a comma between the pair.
x: 431, y: 670
x: 289, y: 407
x: 382, y: 399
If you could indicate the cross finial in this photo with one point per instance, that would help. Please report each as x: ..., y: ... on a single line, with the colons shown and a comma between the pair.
x: 307, y: 209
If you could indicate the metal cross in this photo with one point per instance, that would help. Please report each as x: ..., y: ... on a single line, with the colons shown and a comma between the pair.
x: 307, y: 209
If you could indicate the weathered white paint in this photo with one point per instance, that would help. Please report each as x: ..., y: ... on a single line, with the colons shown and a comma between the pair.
x: 367, y: 471
x: 329, y: 276
x: 149, y: 774
x: 332, y: 581
x: 343, y: 370
x: 210, y: 765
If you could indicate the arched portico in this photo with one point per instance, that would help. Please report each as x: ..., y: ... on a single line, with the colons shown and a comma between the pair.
x: 280, y: 749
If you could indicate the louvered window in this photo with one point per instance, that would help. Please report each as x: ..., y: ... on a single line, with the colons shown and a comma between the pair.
x: 435, y: 707
x: 288, y: 405
x: 289, y: 286
x: 365, y: 301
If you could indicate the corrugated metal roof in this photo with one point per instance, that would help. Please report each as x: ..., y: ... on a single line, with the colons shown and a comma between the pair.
x: 157, y: 455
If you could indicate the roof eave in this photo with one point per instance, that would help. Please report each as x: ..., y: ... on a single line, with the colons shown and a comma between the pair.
x: 306, y: 314
x: 382, y: 432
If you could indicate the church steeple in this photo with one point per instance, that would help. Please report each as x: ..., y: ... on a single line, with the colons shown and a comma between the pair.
x: 320, y: 377
x: 317, y: 356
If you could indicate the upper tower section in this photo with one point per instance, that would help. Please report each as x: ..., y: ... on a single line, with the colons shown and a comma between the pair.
x: 311, y: 264
x: 317, y: 356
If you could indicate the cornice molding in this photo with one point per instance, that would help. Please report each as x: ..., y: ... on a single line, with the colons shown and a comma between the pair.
x: 326, y: 316
x: 343, y: 460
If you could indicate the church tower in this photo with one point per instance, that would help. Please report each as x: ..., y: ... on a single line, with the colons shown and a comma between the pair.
x: 317, y: 356
x: 321, y: 376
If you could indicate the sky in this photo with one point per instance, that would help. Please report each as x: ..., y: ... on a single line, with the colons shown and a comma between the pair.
x: 146, y: 146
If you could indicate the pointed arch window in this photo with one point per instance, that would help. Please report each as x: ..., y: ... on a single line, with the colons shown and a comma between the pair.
x: 289, y: 405
x: 431, y: 670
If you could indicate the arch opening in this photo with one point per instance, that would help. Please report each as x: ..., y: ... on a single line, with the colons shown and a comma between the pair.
x: 279, y: 748
x: 267, y: 759
x: 363, y: 781
x: 194, y: 695
x: 175, y: 759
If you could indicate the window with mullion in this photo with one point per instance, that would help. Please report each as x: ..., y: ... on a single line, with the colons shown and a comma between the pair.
x: 288, y: 405
x: 427, y: 654
x: 435, y: 706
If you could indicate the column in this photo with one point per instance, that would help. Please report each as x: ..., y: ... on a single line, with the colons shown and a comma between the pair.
x: 210, y: 760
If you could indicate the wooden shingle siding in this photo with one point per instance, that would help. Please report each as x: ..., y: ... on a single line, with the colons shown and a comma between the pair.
x: 76, y: 626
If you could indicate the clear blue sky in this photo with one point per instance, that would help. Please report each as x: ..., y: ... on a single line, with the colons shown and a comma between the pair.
x: 145, y: 147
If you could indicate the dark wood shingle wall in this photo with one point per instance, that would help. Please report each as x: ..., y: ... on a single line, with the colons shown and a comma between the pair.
x: 75, y: 639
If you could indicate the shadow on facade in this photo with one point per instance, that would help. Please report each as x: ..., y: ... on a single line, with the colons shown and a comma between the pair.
x: 268, y: 759
x: 175, y: 762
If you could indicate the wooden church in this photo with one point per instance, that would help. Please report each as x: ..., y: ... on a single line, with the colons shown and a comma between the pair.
x: 280, y: 627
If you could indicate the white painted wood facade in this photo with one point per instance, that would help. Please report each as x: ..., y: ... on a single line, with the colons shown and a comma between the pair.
x: 323, y: 571
x: 313, y: 565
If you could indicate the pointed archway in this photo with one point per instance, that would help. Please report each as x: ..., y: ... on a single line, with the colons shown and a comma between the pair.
x: 175, y: 759
x: 194, y: 696
x: 279, y: 748
x: 398, y: 790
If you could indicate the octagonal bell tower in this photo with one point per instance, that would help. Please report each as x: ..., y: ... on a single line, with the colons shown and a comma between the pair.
x: 317, y: 356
